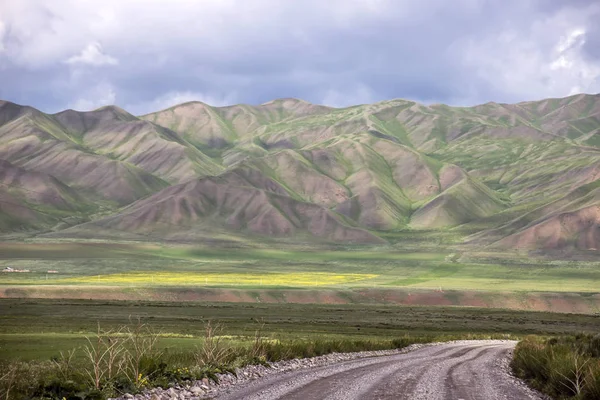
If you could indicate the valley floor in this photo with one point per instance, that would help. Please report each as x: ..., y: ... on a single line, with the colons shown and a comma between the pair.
x: 40, y: 329
x: 268, y: 274
x: 297, y: 292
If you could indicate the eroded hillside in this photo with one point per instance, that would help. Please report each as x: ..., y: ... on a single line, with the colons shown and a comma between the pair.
x: 505, y: 175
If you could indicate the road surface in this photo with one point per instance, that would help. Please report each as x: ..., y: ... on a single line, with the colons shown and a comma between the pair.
x: 452, y: 371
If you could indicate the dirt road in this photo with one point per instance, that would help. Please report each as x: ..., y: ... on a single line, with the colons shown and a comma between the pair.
x: 468, y: 371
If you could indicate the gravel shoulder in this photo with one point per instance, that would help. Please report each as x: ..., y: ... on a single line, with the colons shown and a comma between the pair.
x: 465, y: 370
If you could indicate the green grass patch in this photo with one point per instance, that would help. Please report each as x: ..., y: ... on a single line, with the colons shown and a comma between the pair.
x: 45, y: 344
x: 299, y: 266
x: 41, y: 328
x: 562, y: 367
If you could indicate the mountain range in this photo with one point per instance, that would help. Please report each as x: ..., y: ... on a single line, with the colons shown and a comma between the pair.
x: 523, y: 175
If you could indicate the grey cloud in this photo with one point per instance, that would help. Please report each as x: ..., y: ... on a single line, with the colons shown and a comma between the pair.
x: 591, y: 47
x: 254, y: 51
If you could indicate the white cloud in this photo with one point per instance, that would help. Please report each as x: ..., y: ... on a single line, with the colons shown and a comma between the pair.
x: 173, y: 98
x: 52, y: 31
x: 2, y: 33
x: 583, y: 74
x: 545, y: 61
x: 102, y: 94
x: 41, y: 33
x: 573, y: 38
x: 92, y: 55
x: 338, y: 52
x: 567, y: 50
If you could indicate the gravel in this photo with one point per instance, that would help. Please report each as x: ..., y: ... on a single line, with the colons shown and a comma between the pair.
x: 458, y: 369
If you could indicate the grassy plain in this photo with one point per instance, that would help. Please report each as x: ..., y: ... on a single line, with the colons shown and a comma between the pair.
x: 147, y: 264
x: 306, y: 299
x: 39, y: 329
x: 364, y: 278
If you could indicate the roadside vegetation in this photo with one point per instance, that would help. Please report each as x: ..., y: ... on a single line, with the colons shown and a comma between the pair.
x: 566, y: 367
x: 90, y: 349
x: 128, y: 359
x: 304, y: 301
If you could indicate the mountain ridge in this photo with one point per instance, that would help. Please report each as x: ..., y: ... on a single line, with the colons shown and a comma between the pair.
x: 383, y: 167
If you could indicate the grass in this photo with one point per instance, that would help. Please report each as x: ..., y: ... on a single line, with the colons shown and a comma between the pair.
x: 562, y: 367
x: 31, y: 329
x: 264, y: 286
x: 127, y: 359
x: 147, y: 264
x: 56, y: 349
x: 35, y: 332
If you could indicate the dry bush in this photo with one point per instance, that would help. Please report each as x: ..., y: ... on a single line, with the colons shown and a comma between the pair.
x: 214, y: 352
x: 559, y: 366
x: 258, y: 351
x: 64, y: 363
x: 102, y: 352
x: 8, y: 379
x: 140, y: 349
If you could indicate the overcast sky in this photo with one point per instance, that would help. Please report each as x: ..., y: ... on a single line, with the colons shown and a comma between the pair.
x: 147, y: 55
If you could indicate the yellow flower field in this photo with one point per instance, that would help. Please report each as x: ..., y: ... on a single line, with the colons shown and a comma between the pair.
x: 213, y: 279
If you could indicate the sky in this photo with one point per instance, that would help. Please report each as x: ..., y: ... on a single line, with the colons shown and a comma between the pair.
x: 147, y: 55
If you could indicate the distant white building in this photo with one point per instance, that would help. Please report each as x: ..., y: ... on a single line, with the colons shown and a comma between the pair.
x: 9, y: 269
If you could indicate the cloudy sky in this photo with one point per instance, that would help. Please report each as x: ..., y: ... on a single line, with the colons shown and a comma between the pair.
x: 145, y: 55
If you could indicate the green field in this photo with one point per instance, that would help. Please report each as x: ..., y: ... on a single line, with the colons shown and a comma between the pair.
x: 386, y: 267
x: 305, y: 300
x: 359, y: 290
x: 38, y: 336
x: 39, y: 329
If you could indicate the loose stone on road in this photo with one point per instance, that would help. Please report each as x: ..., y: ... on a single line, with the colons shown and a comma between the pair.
x: 470, y: 370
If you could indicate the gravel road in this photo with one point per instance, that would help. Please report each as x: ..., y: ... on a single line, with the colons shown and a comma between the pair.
x: 458, y: 370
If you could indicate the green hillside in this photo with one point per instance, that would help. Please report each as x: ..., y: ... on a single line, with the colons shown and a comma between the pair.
x: 501, y: 175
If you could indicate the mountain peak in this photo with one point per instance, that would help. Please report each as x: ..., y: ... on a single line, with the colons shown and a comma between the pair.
x: 112, y: 109
x: 285, y: 100
x: 188, y: 105
x: 106, y: 112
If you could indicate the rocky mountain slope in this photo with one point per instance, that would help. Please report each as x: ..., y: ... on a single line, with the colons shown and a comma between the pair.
x: 505, y: 175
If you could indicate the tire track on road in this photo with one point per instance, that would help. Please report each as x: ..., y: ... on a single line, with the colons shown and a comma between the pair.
x: 450, y: 371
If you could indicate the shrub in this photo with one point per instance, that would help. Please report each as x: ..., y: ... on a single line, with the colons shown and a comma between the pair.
x: 564, y: 367
x: 8, y: 380
x: 214, y: 352
x: 591, y: 389
x: 140, y: 356
x: 125, y: 360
